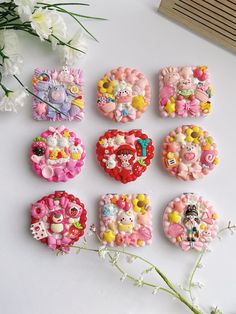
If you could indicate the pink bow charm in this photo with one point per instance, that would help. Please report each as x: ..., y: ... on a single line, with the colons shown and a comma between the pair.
x: 184, y: 108
x: 70, y: 168
x: 194, y: 170
x: 57, y: 131
x: 60, y: 174
x: 187, y: 245
x: 63, y: 243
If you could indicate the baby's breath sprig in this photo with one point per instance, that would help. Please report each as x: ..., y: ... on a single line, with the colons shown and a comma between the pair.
x: 177, y: 292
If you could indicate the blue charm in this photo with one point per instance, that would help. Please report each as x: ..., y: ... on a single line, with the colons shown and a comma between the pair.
x: 144, y: 144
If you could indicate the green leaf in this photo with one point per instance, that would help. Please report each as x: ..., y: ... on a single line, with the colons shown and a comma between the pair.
x: 142, y: 162
x: 77, y: 225
x: 39, y: 139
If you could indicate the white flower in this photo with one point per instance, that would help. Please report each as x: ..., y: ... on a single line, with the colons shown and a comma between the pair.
x: 102, y: 252
x: 9, y: 42
x: 13, y: 100
x: 41, y: 23
x: 155, y: 290
x: 58, y: 28
x: 12, y: 65
x: 9, y: 45
x: 115, y: 258
x: 130, y: 259
x: 139, y: 282
x: 25, y: 8
x: 200, y: 265
x: 71, y: 55
x: 215, y: 310
x: 197, y: 285
x: 122, y: 279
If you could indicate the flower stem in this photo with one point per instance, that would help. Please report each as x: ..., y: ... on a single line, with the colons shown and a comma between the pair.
x: 6, y: 90
x: 59, y: 9
x: 172, y: 290
x: 62, y: 43
x: 189, y: 289
x: 229, y: 227
x: 60, y: 3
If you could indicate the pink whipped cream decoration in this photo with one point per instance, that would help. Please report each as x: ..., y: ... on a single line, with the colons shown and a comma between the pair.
x: 123, y: 94
x: 125, y: 220
x: 185, y: 91
x: 58, y: 220
x: 189, y: 153
x: 63, y: 90
x: 57, y: 154
x: 190, y: 222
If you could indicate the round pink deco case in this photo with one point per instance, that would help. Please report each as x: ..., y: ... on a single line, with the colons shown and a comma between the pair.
x: 123, y: 94
x: 189, y: 153
x: 190, y: 222
x: 58, y: 220
x: 57, y: 154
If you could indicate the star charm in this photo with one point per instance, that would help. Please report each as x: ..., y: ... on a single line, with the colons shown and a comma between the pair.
x: 180, y: 138
x: 170, y: 107
x: 41, y: 109
x: 120, y: 139
x: 174, y: 217
x: 130, y: 139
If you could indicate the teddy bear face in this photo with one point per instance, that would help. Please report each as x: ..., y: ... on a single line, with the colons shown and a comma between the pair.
x: 52, y: 141
x: 57, y: 94
x: 190, y: 153
x: 57, y: 217
x: 62, y: 142
x: 126, y: 218
x: 185, y: 84
x: 171, y: 78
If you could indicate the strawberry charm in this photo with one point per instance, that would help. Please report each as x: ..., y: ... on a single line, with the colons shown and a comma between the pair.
x: 125, y: 155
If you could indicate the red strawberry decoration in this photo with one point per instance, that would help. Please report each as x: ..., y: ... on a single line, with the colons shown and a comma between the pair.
x: 125, y: 155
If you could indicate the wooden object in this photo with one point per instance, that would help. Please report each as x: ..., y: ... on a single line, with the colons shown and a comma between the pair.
x: 214, y: 19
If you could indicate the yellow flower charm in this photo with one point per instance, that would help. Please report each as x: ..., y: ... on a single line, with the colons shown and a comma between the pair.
x: 139, y: 103
x: 140, y: 202
x: 170, y: 106
x: 205, y: 107
x: 102, y: 141
x: 203, y: 68
x: 174, y: 217
x: 214, y: 216
x: 216, y: 161
x: 109, y: 236
x: 139, y: 242
x: 66, y: 133
x: 106, y: 86
x: 202, y: 226
x: 193, y: 134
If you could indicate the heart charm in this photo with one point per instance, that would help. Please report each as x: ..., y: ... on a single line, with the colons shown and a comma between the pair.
x: 125, y: 155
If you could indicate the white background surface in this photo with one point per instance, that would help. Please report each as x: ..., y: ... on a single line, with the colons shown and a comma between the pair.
x: 33, y: 279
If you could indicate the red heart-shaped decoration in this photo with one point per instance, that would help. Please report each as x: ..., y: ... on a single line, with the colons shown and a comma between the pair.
x: 125, y: 155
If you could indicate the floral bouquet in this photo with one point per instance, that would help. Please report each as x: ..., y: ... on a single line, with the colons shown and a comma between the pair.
x: 45, y: 21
